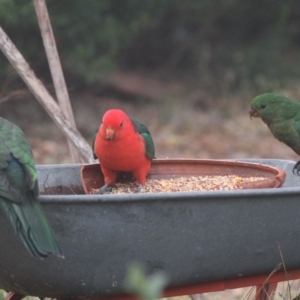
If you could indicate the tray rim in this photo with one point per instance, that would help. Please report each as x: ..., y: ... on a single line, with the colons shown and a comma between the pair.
x: 232, y: 194
x: 275, y: 180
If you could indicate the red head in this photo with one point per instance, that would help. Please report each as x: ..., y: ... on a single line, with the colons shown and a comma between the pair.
x: 114, y: 124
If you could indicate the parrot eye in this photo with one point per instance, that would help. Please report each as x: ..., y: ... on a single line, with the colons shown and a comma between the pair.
x: 263, y: 106
x: 121, y: 124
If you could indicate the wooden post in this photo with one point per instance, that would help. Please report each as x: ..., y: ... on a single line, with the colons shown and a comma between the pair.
x: 43, y: 96
x: 55, y: 68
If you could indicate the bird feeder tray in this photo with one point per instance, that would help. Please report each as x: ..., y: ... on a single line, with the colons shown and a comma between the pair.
x: 269, y: 177
x: 196, y: 238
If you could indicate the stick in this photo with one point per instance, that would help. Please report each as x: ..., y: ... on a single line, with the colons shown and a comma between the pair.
x: 55, y: 68
x: 43, y: 96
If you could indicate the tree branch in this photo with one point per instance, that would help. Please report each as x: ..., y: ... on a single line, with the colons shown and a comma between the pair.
x: 55, y: 68
x: 43, y: 96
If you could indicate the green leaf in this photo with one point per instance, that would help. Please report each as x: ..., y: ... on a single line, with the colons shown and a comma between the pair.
x: 145, y: 287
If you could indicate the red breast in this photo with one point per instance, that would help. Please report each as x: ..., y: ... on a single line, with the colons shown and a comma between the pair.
x: 118, y: 146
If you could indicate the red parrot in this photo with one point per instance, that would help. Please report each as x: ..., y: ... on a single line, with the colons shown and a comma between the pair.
x: 123, y: 145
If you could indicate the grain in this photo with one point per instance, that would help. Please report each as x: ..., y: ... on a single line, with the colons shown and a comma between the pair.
x: 185, y: 184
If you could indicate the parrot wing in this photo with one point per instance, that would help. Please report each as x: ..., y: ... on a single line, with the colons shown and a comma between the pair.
x: 144, y: 132
x: 93, y: 145
x: 19, y: 192
x: 293, y: 140
x: 14, y: 144
x: 296, y: 126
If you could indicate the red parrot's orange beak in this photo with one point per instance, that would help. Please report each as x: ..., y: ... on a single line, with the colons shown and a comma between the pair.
x: 253, y: 113
x: 109, y: 133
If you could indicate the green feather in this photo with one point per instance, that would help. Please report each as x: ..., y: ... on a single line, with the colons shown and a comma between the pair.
x: 19, y: 193
x: 144, y: 132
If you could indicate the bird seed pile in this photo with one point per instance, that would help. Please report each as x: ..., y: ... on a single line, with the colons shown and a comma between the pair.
x: 185, y: 184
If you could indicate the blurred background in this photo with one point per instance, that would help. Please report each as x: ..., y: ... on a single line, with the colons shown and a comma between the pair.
x: 186, y: 69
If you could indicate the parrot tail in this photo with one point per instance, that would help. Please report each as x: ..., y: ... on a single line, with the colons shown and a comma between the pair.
x: 31, y: 225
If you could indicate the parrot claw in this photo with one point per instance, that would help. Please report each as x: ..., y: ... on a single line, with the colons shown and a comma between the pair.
x: 139, y: 189
x: 296, y: 169
x: 105, y: 189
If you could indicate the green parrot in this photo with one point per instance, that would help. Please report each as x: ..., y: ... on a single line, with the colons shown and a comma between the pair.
x: 282, y: 116
x: 19, y: 193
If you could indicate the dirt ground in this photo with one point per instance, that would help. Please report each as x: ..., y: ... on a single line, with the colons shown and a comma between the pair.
x: 183, y: 124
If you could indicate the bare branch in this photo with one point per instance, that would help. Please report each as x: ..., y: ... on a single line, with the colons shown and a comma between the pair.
x: 19, y: 94
x: 55, y: 68
x: 43, y: 96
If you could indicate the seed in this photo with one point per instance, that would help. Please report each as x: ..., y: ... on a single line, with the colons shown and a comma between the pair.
x: 185, y: 184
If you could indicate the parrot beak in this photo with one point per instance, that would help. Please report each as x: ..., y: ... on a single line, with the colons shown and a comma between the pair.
x: 253, y: 113
x: 109, y: 133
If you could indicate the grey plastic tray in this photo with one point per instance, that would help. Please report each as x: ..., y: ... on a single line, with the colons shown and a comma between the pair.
x: 194, y: 237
